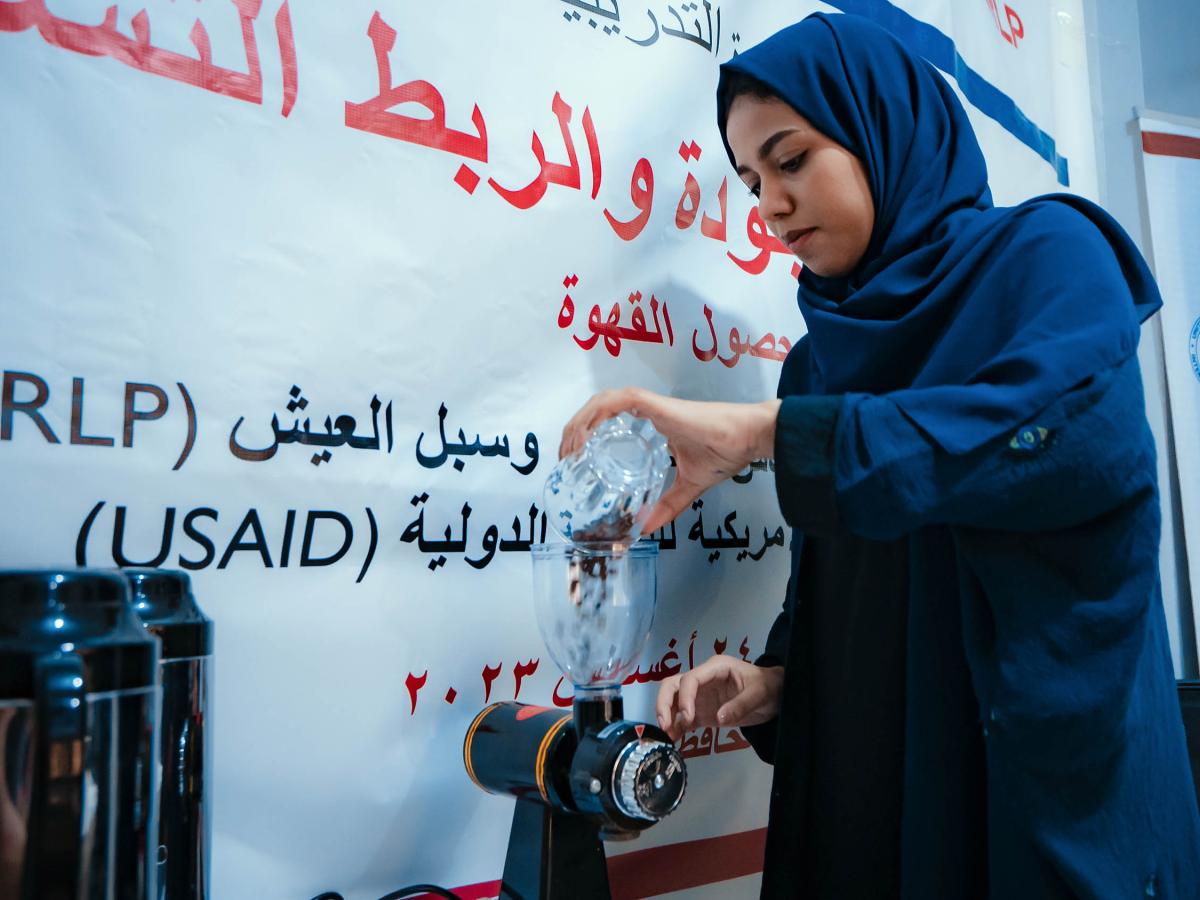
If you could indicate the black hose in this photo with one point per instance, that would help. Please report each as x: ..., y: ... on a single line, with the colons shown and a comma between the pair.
x: 414, y: 889
x: 411, y: 891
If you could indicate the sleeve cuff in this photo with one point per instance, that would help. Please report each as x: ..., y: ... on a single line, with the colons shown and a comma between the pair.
x: 805, y: 431
x: 764, y: 737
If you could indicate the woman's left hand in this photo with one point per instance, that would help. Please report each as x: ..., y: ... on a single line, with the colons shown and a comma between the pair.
x: 710, y: 441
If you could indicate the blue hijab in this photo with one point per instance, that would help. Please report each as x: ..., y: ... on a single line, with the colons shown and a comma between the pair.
x: 952, y: 311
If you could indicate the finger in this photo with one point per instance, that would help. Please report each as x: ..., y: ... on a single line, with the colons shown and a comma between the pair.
x: 673, y: 415
x: 583, y: 423
x: 574, y: 424
x: 756, y: 698
x: 737, y: 708
x: 732, y: 713
x: 678, y: 729
x: 678, y: 497
x: 713, y: 669
x: 664, y: 707
x: 685, y: 699
x: 606, y: 404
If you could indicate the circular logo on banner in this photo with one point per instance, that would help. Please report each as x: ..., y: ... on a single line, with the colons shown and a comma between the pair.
x: 1194, y: 348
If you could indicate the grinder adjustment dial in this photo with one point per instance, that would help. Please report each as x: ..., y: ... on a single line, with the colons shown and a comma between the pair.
x: 649, y: 779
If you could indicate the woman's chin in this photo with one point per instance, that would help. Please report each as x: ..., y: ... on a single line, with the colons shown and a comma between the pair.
x: 827, y: 268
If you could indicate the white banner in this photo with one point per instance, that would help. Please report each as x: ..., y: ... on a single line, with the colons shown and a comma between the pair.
x: 297, y: 297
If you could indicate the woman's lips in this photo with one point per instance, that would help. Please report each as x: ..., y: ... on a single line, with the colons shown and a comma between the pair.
x: 797, y: 238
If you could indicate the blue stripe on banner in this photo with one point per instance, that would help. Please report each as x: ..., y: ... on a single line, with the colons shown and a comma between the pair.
x: 939, y: 49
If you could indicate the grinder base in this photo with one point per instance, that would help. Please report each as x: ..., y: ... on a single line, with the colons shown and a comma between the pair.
x: 553, y: 855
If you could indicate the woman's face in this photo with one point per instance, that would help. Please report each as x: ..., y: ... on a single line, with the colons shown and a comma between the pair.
x: 812, y: 192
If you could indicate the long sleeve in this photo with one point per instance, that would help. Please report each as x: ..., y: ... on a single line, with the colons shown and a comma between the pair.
x: 763, y: 737
x: 880, y: 476
x: 776, y: 651
x: 811, y: 437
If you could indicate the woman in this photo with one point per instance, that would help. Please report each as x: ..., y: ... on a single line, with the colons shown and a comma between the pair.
x: 969, y: 691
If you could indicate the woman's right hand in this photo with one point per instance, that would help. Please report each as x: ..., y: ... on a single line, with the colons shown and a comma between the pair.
x: 710, y: 441
x: 722, y: 691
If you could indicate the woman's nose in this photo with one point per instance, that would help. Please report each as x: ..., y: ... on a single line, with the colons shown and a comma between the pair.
x: 774, y: 202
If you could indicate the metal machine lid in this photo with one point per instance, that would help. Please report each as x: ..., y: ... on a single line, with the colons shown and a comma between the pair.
x: 82, y: 611
x: 163, y: 600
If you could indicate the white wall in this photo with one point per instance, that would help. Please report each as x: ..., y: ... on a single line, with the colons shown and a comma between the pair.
x: 1170, y: 37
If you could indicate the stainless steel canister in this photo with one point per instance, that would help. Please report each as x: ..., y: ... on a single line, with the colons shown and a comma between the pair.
x: 164, y: 601
x: 78, y: 739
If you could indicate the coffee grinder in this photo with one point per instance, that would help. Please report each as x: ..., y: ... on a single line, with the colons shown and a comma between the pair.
x: 588, y: 774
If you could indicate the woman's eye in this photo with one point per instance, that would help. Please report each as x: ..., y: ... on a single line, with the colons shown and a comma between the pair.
x: 754, y: 191
x: 791, y: 165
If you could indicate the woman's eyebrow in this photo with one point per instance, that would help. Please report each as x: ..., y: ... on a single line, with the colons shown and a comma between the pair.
x: 768, y: 145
